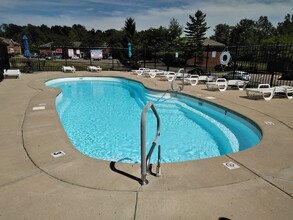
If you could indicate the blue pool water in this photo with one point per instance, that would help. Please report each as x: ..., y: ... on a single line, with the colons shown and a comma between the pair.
x: 101, y: 116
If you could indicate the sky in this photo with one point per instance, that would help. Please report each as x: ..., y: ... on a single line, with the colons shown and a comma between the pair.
x: 111, y: 14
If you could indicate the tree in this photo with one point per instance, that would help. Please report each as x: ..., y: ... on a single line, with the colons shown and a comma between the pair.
x: 222, y: 33
x: 286, y: 27
x: 73, y: 35
x: 195, y: 33
x: 80, y: 31
x: 35, y: 36
x: 114, y: 38
x: 244, y: 33
x: 264, y: 29
x: 130, y: 29
x: 174, y: 30
x: 12, y: 31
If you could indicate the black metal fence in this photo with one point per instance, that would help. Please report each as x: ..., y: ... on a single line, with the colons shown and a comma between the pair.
x: 271, y: 64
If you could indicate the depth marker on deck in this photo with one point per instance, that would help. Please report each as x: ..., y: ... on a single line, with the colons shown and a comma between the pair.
x: 58, y: 154
x: 269, y: 123
x: 231, y: 165
x: 38, y: 108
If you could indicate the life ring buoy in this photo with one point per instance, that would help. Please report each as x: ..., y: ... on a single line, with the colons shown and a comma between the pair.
x: 225, y: 58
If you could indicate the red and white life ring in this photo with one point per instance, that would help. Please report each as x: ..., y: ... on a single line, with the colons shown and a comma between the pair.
x: 225, y: 57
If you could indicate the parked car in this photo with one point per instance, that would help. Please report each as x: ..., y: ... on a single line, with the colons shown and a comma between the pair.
x: 34, y: 55
x: 75, y: 58
x: 241, y: 75
x: 48, y: 57
x: 57, y: 56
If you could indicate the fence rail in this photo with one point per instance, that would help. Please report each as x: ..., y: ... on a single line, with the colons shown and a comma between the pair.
x: 271, y: 64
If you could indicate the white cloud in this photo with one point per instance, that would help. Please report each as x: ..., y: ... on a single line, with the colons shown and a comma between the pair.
x: 89, y: 14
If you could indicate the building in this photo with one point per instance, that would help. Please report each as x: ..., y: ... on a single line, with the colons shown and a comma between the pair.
x: 53, y: 48
x: 13, y: 48
x: 211, y: 54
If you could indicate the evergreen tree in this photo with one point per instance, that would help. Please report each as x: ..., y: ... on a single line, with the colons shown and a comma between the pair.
x: 130, y: 29
x: 195, y: 34
x: 174, y: 30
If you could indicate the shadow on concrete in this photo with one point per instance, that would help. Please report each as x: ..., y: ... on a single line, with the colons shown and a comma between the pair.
x: 113, y: 168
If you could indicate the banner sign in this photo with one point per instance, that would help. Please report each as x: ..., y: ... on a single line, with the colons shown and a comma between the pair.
x: 96, y: 54
x: 58, y: 50
x: 70, y: 53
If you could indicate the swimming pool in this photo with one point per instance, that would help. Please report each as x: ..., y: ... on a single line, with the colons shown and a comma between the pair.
x: 101, y: 116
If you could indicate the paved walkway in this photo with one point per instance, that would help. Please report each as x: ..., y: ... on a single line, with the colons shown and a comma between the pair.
x: 35, y: 185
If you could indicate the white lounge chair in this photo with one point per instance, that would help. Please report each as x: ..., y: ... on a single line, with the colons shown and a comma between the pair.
x: 68, y: 68
x: 94, y: 68
x: 221, y: 84
x: 168, y: 75
x: 181, y: 73
x: 287, y: 90
x: 205, y: 78
x: 240, y: 84
x: 139, y: 70
x: 11, y: 72
x: 155, y: 72
x: 268, y: 92
x: 192, y: 80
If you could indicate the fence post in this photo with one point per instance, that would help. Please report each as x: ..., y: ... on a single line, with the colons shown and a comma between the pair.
x: 113, y: 68
x: 39, y: 64
x: 168, y: 60
x: 274, y: 65
x: 144, y: 56
x: 207, y: 57
x: 155, y: 58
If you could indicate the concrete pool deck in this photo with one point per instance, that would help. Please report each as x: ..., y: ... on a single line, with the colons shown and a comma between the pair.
x: 35, y: 185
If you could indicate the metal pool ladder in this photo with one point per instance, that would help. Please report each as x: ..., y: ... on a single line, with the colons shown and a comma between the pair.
x: 145, y: 159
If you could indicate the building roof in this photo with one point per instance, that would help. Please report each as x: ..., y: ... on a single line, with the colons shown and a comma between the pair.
x: 213, y: 43
x: 47, y: 45
x: 8, y: 41
x: 73, y: 44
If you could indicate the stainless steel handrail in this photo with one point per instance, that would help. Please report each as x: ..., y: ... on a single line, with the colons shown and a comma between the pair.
x: 145, y: 160
x: 173, y: 82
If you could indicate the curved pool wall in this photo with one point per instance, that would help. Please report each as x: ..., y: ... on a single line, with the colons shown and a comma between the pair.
x: 191, y: 128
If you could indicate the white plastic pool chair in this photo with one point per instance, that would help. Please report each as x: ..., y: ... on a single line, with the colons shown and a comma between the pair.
x: 268, y: 92
x: 240, y: 84
x: 221, y: 84
x: 94, y: 68
x: 139, y: 71
x: 192, y: 80
x: 168, y: 75
x: 68, y: 68
x: 11, y: 72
